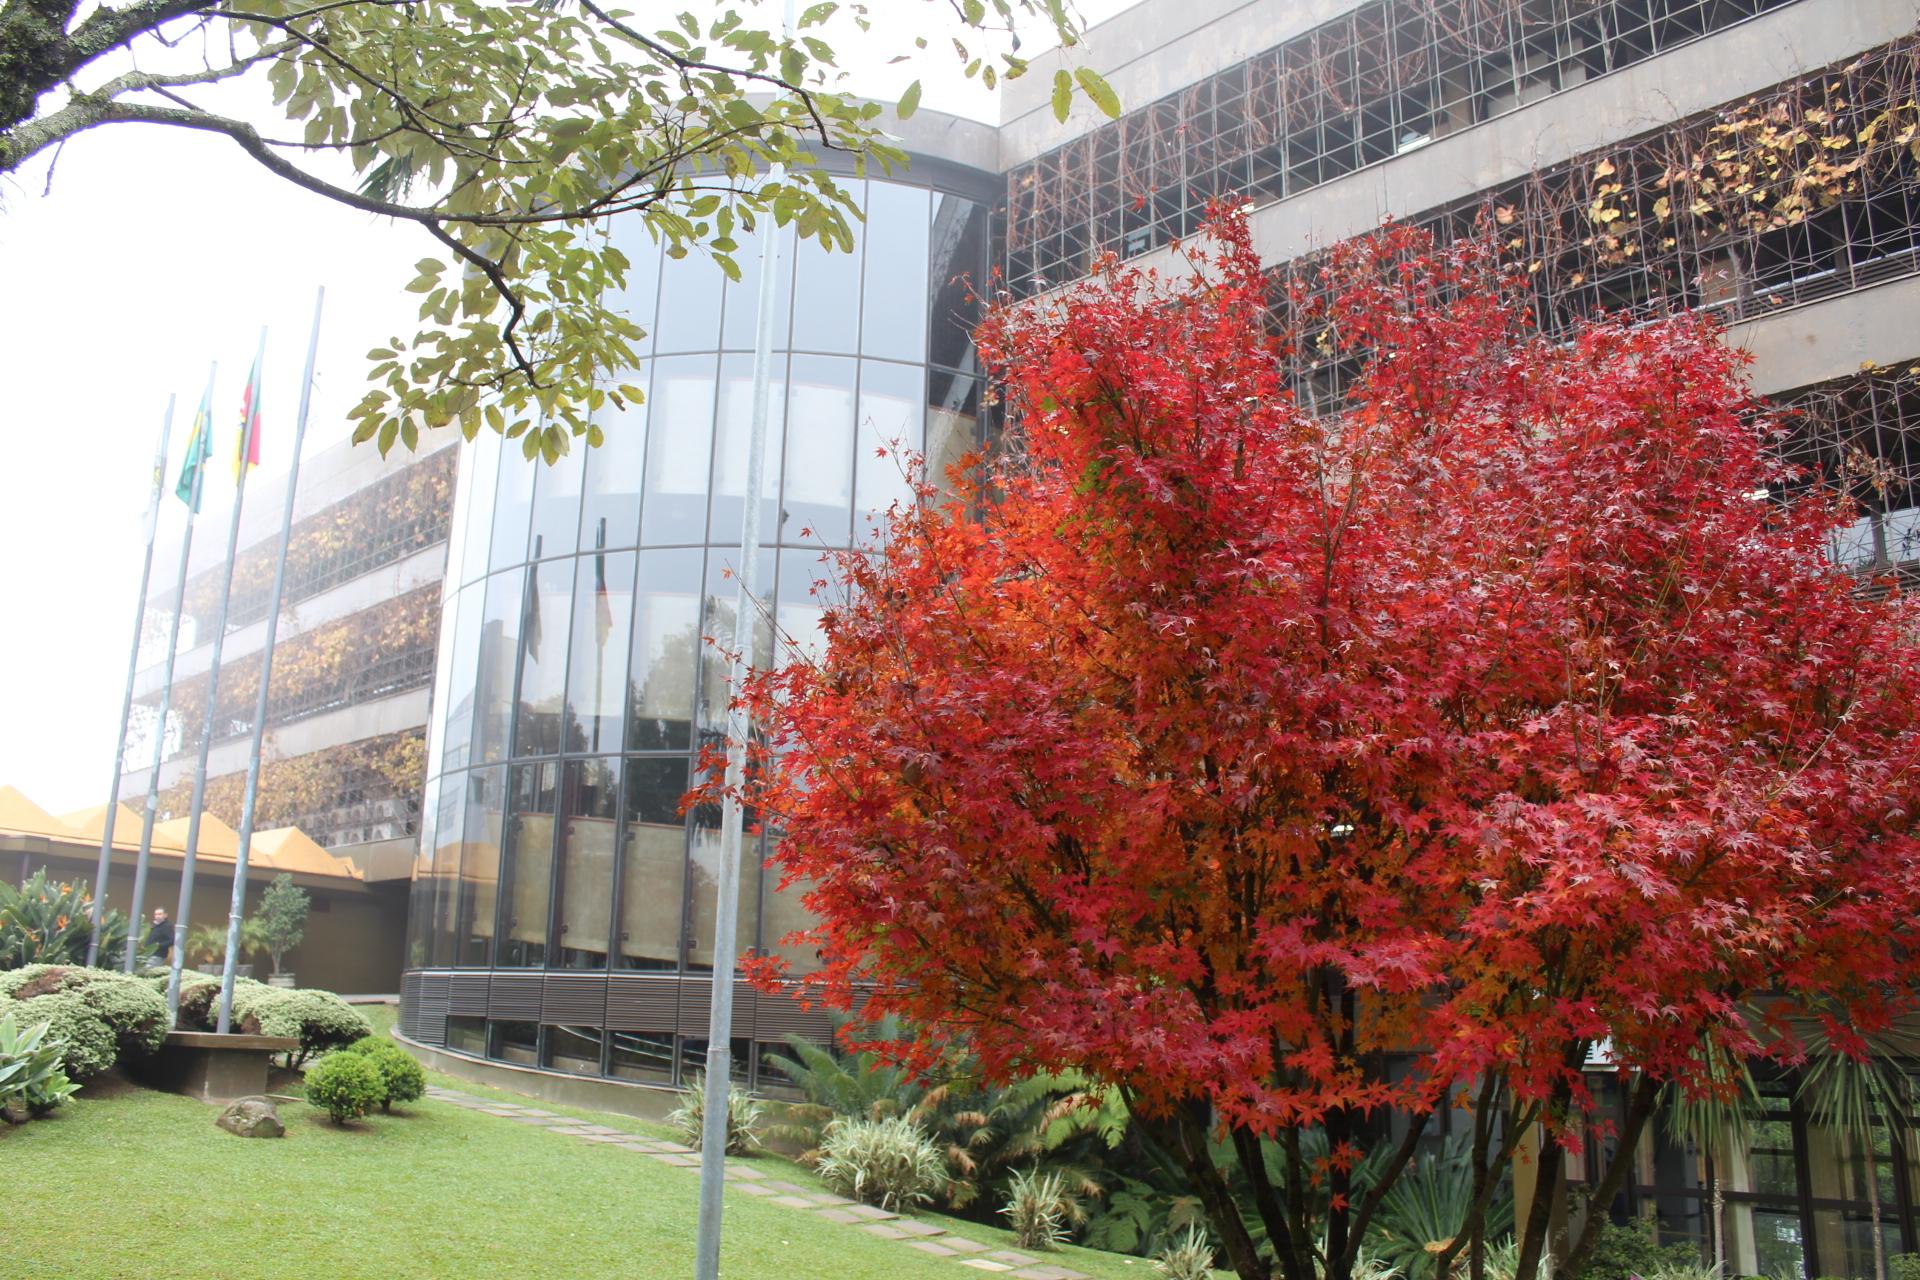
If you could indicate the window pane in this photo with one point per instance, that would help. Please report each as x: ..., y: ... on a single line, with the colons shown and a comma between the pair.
x: 894, y: 297
x: 458, y: 689
x: 493, y: 681
x: 637, y: 1055
x: 514, y: 1042
x: 722, y: 590
x: 447, y: 796
x: 653, y: 858
x: 785, y: 916
x: 892, y: 408
x: 666, y: 644
x: 690, y: 290
x: 512, y: 507
x: 556, y: 503
x: 704, y: 892
x: 636, y: 300
x: 730, y: 458
x: 819, y: 492
x: 597, y: 670
x: 479, y: 867
x: 958, y: 256
x: 693, y: 1060
x: 802, y: 605
x: 480, y: 471
x: 953, y: 411
x: 467, y: 1035
x: 589, y: 803
x: 743, y: 299
x: 543, y: 659
x: 526, y: 872
x: 827, y: 290
x: 574, y: 1049
x: 611, y: 515
x: 679, y: 445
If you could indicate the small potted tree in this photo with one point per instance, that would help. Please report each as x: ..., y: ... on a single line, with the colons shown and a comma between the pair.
x: 282, y: 917
x: 207, y: 947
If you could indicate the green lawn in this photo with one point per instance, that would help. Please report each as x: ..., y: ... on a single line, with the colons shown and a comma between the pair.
x: 130, y: 1183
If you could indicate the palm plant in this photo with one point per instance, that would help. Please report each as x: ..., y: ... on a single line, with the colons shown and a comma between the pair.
x: 1854, y: 1094
x: 1423, y: 1211
x: 1719, y: 1125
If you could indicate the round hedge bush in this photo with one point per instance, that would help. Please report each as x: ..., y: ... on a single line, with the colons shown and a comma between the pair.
x: 101, y: 1016
x: 344, y: 1085
x: 401, y: 1078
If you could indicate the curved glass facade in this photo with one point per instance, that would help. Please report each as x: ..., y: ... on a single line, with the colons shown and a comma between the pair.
x: 562, y: 904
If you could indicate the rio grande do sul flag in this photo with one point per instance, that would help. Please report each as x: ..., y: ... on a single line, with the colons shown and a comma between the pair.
x: 199, y: 449
x: 246, y: 449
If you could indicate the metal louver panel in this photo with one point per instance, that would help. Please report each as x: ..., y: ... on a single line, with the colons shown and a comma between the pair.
x: 781, y: 1015
x: 410, y: 1005
x: 574, y: 998
x: 696, y: 997
x: 467, y: 995
x: 430, y: 1021
x: 642, y: 1002
x: 514, y: 997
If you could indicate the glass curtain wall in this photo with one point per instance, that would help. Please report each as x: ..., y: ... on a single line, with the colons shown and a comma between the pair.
x: 579, y: 683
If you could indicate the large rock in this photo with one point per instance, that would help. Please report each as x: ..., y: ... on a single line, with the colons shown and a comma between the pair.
x: 252, y: 1118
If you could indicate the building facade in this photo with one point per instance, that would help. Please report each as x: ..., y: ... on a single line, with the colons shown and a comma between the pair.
x: 1759, y: 158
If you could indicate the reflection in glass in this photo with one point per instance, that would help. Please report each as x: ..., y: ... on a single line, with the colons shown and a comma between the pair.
x: 741, y: 329
x: 730, y: 455
x: 479, y: 867
x: 514, y: 1042
x: 894, y: 295
x: 953, y: 428
x: 573, y: 1049
x: 556, y: 502
x: 457, y: 675
x: 679, y: 441
x: 690, y: 290
x: 827, y: 289
x: 526, y: 868
x: 785, y: 916
x: 666, y: 645
x: 802, y: 605
x: 819, y: 495
x: 447, y: 799
x: 589, y: 802
x: 597, y: 669
x: 693, y: 1059
x: 957, y: 263
x: 641, y: 1055
x: 892, y: 409
x: 612, y: 504
x: 722, y: 591
x: 543, y: 659
x: 480, y: 473
x: 703, y: 890
x: 493, y: 678
x: 636, y: 299
x: 467, y: 1035
x: 512, y: 507
x: 653, y: 855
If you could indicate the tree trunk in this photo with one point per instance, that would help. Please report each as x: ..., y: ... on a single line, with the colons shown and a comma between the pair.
x: 1184, y: 1134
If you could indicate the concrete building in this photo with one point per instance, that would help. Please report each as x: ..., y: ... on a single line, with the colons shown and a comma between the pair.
x: 1754, y: 157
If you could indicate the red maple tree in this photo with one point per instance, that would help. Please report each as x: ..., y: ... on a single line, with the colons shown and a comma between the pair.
x: 1285, y: 769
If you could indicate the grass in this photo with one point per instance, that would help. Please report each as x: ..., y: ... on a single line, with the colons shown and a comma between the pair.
x: 126, y: 1182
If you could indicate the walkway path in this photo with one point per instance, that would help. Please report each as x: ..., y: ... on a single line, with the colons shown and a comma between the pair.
x: 748, y: 1180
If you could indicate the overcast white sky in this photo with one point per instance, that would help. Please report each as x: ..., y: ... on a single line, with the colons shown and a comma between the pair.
x: 149, y: 254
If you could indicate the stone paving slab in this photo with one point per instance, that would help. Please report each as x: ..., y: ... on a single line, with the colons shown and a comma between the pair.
x: 645, y: 1147
x: 836, y: 1215
x: 674, y: 1146
x: 886, y: 1231
x: 960, y: 1244
x: 984, y: 1264
x: 786, y: 1188
x: 916, y: 1228
x: 756, y: 1189
x: 746, y: 1171
x: 1011, y: 1258
x: 933, y: 1247
x: 791, y: 1202
x: 872, y: 1212
x: 827, y: 1197
x: 1049, y: 1272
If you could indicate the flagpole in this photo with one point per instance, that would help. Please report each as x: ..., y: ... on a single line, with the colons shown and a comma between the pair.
x: 197, y: 809
x: 236, y: 907
x: 715, y: 1109
x: 136, y: 927
x: 126, y: 701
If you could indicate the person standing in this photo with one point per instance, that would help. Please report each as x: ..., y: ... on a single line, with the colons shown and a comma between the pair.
x: 160, y: 936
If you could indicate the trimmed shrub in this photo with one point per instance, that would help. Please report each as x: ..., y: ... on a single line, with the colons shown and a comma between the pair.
x: 889, y: 1163
x: 1190, y: 1258
x: 1039, y: 1209
x: 30, y: 1072
x: 344, y: 1085
x: 99, y: 1016
x: 401, y: 1078
x: 320, y: 1020
x: 745, y: 1114
x: 1626, y: 1252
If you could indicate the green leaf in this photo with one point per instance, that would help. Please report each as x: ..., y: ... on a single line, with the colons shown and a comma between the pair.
x: 1098, y: 90
x: 909, y: 101
x: 1062, y: 93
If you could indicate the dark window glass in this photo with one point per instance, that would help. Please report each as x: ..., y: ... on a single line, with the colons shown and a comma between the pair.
x: 893, y: 409
x: 735, y: 424
x: 512, y: 507
x: 610, y: 515
x: 957, y: 259
x: 690, y: 292
x: 479, y: 867
x: 722, y: 590
x: 526, y: 868
x: 774, y: 1083
x: 597, y: 669
x: 693, y: 1060
x: 556, y: 503
x: 818, y: 500
x: 467, y: 1035
x: 827, y: 290
x: 514, y: 1042
x: 589, y: 806
x: 638, y: 1055
x: 493, y: 679
x: 572, y: 1049
x: 653, y: 856
x: 743, y: 299
x: 679, y: 449
x: 543, y: 658
x: 666, y: 648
